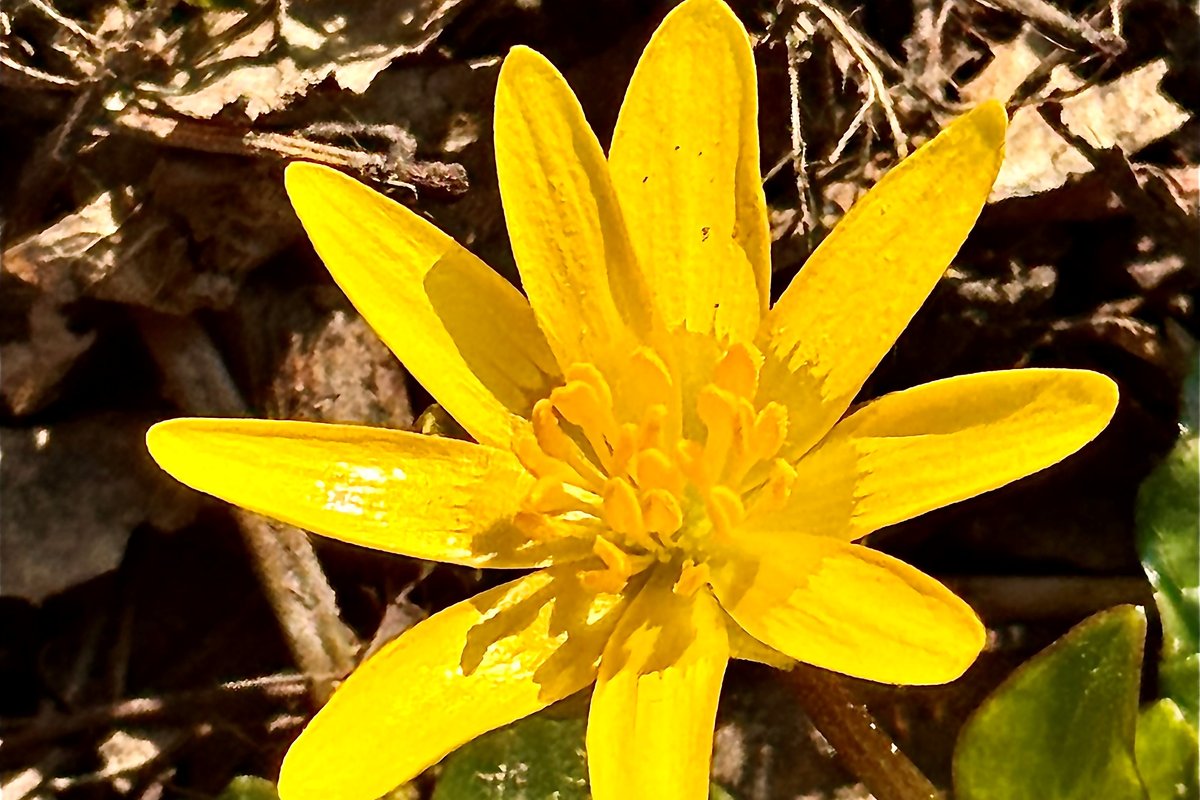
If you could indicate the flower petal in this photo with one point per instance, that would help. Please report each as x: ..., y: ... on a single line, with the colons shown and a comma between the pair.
x: 474, y: 667
x: 685, y: 165
x: 858, y: 291
x: 847, y: 608
x: 650, y: 729
x: 567, y: 234
x: 936, y: 444
x: 422, y: 496
x: 463, y: 331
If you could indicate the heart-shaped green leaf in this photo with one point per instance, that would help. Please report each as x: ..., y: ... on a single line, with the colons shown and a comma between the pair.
x: 1167, y: 754
x: 1062, y: 726
x: 1167, y: 516
x: 535, y: 758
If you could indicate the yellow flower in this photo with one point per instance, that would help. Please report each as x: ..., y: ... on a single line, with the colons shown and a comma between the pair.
x: 673, y: 457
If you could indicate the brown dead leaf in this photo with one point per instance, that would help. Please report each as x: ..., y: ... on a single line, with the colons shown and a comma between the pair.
x: 342, y: 373
x: 183, y: 240
x: 267, y: 65
x: 1128, y: 113
x: 73, y: 491
x: 34, y: 367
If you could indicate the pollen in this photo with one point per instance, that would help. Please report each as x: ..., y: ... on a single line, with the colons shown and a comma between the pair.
x: 615, y: 464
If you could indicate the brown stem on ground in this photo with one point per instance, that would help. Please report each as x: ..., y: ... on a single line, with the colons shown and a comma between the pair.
x: 195, y: 377
x: 863, y: 747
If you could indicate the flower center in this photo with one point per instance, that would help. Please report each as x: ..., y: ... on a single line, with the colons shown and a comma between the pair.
x: 627, y: 475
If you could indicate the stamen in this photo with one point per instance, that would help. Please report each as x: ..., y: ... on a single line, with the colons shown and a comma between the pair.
x: 717, y: 409
x: 775, y: 490
x: 623, y: 513
x: 770, y: 431
x: 662, y: 514
x: 691, y: 577
x: 653, y: 470
x: 603, y: 581
x: 556, y: 443
x: 725, y: 510
x: 737, y: 371
x: 580, y: 404
x: 534, y: 525
x: 624, y: 449
x: 650, y: 432
x: 691, y: 463
x: 588, y: 374
x: 613, y: 557
x: 650, y: 376
x: 535, y: 460
x: 550, y: 496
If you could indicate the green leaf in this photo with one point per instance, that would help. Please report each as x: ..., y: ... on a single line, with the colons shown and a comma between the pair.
x: 249, y: 787
x: 532, y: 759
x: 1168, y: 513
x: 1062, y: 726
x: 1167, y: 754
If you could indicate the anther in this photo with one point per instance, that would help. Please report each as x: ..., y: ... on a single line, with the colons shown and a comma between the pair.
x: 725, y: 510
x: 623, y: 512
x: 737, y: 371
x: 653, y: 470
x: 650, y: 376
x: 662, y: 514
x: 770, y: 431
x: 556, y: 444
x: 692, y: 576
x: 550, y: 496
x: 588, y: 374
x: 718, y: 410
x: 775, y: 490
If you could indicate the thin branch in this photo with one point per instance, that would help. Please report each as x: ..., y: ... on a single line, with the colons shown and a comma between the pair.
x: 195, y: 376
x: 854, y: 41
x: 1051, y: 20
x: 806, y: 222
x: 448, y: 179
x: 859, y: 742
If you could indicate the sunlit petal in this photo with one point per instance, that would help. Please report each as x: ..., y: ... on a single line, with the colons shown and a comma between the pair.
x: 936, y: 444
x: 422, y: 496
x: 463, y: 331
x: 852, y: 298
x: 685, y: 165
x: 474, y: 667
x: 566, y: 229
x: 650, y: 729
x: 849, y: 609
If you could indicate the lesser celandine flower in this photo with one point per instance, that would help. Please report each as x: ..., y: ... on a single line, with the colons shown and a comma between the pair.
x: 673, y: 458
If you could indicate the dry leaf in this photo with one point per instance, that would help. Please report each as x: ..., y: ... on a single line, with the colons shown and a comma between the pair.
x: 1128, y: 113
x: 268, y: 65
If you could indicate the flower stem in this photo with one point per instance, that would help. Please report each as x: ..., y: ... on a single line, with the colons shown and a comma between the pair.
x: 864, y: 748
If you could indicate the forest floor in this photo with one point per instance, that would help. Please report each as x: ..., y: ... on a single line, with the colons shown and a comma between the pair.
x: 152, y: 268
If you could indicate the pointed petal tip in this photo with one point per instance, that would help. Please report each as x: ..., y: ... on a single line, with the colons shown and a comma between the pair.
x: 160, y: 438
x: 303, y: 180
x: 522, y: 56
x: 991, y: 120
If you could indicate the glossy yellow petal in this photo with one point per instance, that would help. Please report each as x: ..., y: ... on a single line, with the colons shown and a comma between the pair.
x: 650, y: 729
x: 566, y: 229
x: 685, y: 165
x: 849, y: 609
x: 474, y: 667
x: 858, y: 291
x: 463, y: 331
x: 913, y: 451
x: 422, y: 496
